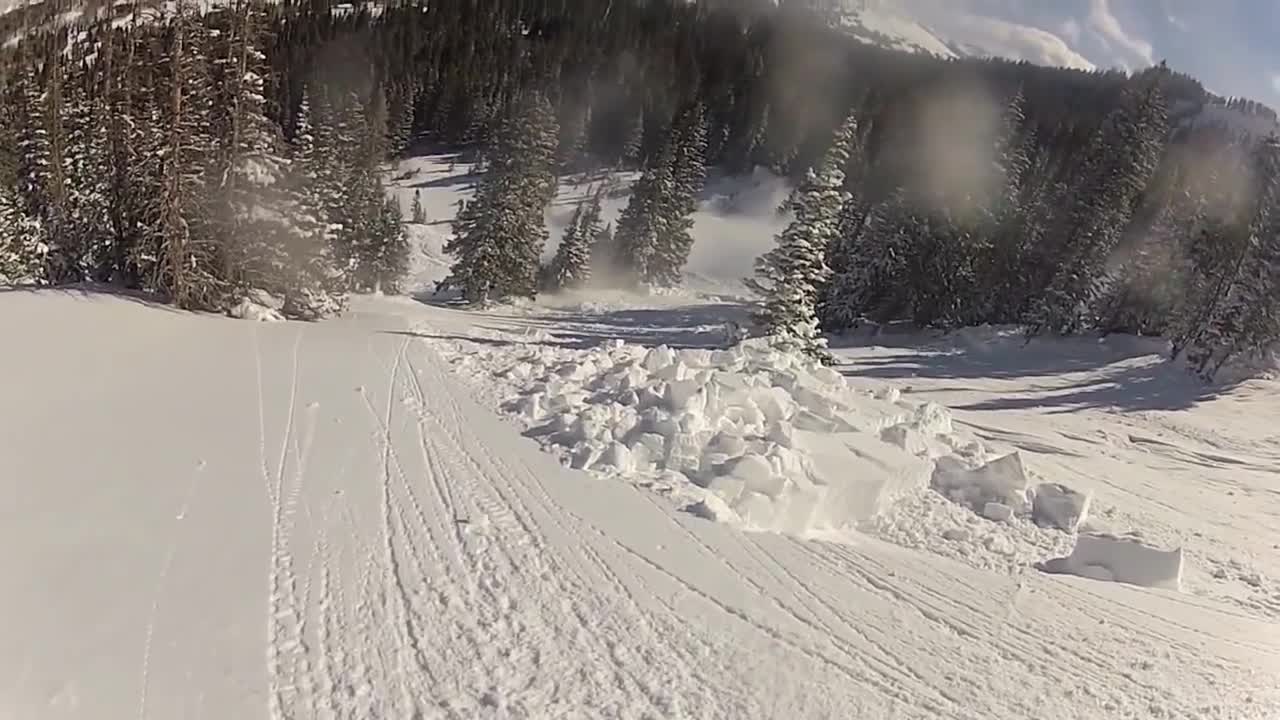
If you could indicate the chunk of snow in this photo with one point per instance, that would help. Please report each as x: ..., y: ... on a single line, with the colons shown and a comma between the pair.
x: 1002, y: 480
x: 1059, y: 506
x: 713, y: 508
x: 997, y: 512
x: 1121, y: 559
x: 658, y: 358
x: 862, y: 475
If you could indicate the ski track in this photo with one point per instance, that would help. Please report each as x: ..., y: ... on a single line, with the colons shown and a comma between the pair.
x: 419, y: 570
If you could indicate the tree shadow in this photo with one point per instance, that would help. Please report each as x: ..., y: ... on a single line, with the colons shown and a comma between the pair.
x: 678, y: 326
x: 1154, y: 386
x: 1125, y: 375
x: 94, y: 291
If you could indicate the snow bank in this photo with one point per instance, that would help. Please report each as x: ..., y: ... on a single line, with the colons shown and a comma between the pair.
x: 1121, y: 559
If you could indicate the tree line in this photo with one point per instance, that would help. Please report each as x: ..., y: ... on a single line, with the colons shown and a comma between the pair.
x: 1098, y: 203
x: 149, y: 155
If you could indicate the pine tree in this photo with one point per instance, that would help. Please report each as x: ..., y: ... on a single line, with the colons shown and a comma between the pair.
x: 791, y: 276
x: 184, y: 254
x: 35, y: 180
x: 281, y: 244
x: 87, y: 169
x: 688, y: 172
x: 571, y: 266
x: 1228, y: 305
x: 1121, y: 161
x: 640, y: 225
x: 499, y: 235
x: 22, y: 248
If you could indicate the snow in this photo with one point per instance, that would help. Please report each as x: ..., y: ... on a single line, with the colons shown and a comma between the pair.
x: 320, y: 520
x: 881, y: 27
x: 1121, y: 559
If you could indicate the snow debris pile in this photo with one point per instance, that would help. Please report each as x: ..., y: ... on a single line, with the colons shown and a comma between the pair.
x: 775, y: 441
x: 1120, y: 559
x: 1000, y: 490
x: 768, y: 440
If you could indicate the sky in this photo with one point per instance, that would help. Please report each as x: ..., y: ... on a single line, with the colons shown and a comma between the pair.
x: 1230, y: 45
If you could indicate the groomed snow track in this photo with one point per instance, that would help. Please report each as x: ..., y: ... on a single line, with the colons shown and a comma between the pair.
x: 317, y: 521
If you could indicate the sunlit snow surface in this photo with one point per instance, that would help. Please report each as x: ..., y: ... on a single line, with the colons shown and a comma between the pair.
x: 211, y: 518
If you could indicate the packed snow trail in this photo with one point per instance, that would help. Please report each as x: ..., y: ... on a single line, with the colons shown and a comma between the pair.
x: 210, y: 518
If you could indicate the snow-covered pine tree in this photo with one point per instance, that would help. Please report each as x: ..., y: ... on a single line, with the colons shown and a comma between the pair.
x: 185, y: 254
x: 640, y: 224
x: 280, y: 242
x: 34, y: 175
x: 1230, y: 299
x: 790, y: 277
x: 571, y: 266
x: 567, y: 263
x: 1121, y: 160
x: 499, y: 235
x: 688, y: 173
x: 87, y: 169
x: 22, y: 248
x: 837, y: 302
x: 390, y: 261
x: 418, y: 214
x: 64, y: 261
x: 128, y: 106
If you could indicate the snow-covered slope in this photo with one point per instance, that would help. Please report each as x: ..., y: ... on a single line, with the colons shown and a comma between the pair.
x: 882, y: 27
x: 216, y: 518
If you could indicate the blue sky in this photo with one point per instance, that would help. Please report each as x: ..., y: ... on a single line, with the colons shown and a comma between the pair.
x: 1233, y: 46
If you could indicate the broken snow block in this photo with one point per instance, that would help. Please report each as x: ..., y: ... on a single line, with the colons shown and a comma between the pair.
x: 727, y: 442
x: 727, y: 487
x: 997, y: 512
x: 782, y: 433
x: 933, y: 419
x: 907, y: 437
x: 1059, y: 506
x: 685, y: 396
x: 585, y: 455
x: 827, y: 376
x: 684, y: 452
x: 1121, y: 559
x: 658, y: 358
x: 863, y: 477
x: 673, y: 372
x: 617, y: 456
x: 775, y: 403
x: 1002, y: 480
x: 712, y: 507
x: 755, y: 509
x: 756, y: 471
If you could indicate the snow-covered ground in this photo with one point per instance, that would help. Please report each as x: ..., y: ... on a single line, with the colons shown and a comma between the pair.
x: 377, y: 516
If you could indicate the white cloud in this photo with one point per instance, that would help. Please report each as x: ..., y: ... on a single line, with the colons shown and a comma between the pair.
x: 1011, y: 40
x: 1275, y: 81
x: 1108, y: 29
